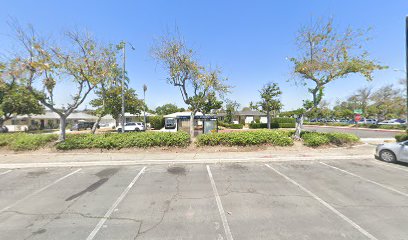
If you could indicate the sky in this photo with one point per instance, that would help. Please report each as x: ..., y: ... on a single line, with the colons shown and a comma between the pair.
x: 249, y: 40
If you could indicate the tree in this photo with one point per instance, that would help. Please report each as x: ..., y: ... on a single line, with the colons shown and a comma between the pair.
x: 111, y: 102
x: 388, y: 102
x: 198, y: 85
x: 231, y: 107
x: 41, y: 65
x: 325, y: 56
x: 17, y: 100
x: 112, y: 78
x: 269, y: 101
x: 168, y: 108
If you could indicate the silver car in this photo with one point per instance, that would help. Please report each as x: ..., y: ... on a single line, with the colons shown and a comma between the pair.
x: 392, y: 152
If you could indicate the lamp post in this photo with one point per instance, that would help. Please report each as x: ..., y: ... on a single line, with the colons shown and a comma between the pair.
x: 123, y: 46
x: 406, y: 63
x: 144, y: 103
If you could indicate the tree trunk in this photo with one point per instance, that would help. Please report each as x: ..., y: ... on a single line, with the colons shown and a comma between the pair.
x: 299, y: 126
x: 1, y: 122
x: 192, y: 124
x: 95, y: 126
x: 268, y: 119
x: 63, y: 124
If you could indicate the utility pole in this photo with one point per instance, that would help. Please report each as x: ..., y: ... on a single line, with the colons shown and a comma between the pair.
x: 144, y: 102
x: 406, y: 67
x: 123, y: 86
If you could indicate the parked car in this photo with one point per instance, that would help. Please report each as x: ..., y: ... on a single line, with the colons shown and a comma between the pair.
x: 132, y: 127
x: 367, y: 121
x: 390, y: 122
x: 392, y: 152
x: 83, y: 125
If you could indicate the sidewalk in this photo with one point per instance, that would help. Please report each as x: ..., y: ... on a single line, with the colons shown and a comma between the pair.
x: 74, y: 159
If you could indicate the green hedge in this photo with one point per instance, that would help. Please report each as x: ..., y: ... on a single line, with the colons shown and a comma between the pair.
x: 275, y: 123
x: 401, y: 137
x: 263, y: 125
x: 125, y: 140
x: 26, y: 141
x: 283, y: 120
x: 246, y: 138
x: 327, y: 124
x: 287, y: 125
x: 230, y: 125
x: 156, y: 122
x: 315, y: 139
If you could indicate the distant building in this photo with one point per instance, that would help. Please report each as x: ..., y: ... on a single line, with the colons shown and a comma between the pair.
x: 51, y: 120
x: 138, y: 117
x: 246, y: 116
x: 180, y: 121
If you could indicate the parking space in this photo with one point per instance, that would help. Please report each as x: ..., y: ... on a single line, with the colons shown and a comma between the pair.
x: 346, y: 199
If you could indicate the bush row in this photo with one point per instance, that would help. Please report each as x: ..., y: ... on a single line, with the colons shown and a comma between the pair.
x: 315, y: 139
x: 230, y: 125
x: 26, y: 141
x: 125, y: 140
x: 400, y: 127
x: 401, y: 137
x: 273, y: 125
x: 327, y: 124
x: 274, y: 137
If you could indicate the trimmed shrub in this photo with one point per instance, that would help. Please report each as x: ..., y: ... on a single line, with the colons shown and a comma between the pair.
x: 283, y: 120
x: 156, y: 122
x: 287, y: 125
x: 26, y: 141
x: 273, y: 125
x: 398, y: 127
x: 230, y: 125
x: 401, y: 137
x: 315, y: 139
x: 246, y: 138
x: 125, y: 140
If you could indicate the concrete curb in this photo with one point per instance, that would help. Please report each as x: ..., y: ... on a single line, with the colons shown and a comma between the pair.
x: 174, y: 161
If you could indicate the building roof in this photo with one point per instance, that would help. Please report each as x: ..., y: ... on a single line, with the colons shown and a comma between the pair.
x: 75, y: 115
x: 245, y: 113
x: 141, y: 114
x: 181, y: 114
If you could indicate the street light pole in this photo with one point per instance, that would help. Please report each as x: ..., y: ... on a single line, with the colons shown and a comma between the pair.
x: 123, y: 86
x: 406, y: 67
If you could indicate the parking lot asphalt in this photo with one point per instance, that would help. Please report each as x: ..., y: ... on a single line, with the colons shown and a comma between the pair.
x: 328, y: 199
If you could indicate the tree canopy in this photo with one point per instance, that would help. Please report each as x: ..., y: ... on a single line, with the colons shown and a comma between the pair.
x: 168, y: 108
x: 199, y: 86
x: 112, y: 102
x: 326, y: 55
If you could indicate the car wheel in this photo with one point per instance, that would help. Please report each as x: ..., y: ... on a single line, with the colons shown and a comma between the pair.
x: 119, y: 130
x: 388, y: 156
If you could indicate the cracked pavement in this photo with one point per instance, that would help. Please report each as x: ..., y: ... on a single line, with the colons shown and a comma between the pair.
x: 176, y: 201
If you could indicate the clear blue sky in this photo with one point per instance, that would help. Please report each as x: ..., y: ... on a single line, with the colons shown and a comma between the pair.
x: 249, y: 40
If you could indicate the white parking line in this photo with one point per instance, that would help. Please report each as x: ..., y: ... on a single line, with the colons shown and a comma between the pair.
x: 391, y: 165
x: 115, y: 204
x: 355, y: 225
x: 366, y: 179
x: 39, y: 190
x: 220, y: 208
x: 5, y: 172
